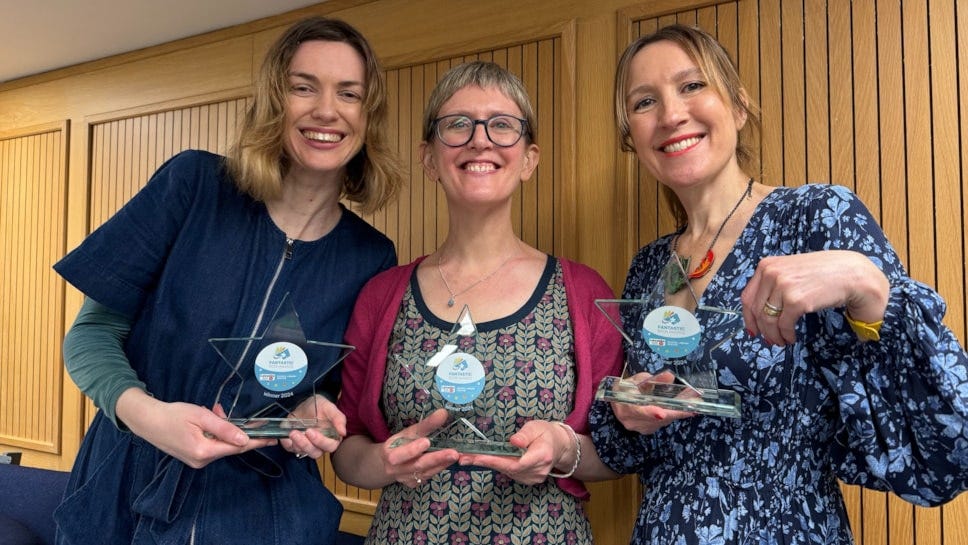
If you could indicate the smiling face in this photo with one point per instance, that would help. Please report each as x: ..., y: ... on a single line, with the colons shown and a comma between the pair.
x: 325, y: 120
x: 682, y: 130
x: 479, y: 171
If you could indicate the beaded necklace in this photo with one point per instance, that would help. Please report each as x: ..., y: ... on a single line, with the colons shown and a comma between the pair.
x: 673, y: 276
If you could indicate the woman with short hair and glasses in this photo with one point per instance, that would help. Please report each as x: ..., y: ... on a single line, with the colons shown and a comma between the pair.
x: 546, y: 345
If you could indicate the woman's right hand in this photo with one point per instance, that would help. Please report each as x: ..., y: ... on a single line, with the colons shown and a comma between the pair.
x: 647, y: 419
x: 195, y: 435
x: 405, y: 457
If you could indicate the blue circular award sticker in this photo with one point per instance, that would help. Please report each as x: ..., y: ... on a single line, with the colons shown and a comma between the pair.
x: 460, y: 378
x: 671, y: 332
x: 281, y: 366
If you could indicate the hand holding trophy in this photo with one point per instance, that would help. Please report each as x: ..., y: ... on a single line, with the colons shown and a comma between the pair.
x: 270, y: 375
x: 454, y: 377
x: 669, y: 332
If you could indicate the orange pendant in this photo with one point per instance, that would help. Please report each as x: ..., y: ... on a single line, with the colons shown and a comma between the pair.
x: 704, y: 266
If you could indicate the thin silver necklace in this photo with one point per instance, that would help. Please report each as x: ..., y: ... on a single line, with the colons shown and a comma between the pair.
x: 453, y: 296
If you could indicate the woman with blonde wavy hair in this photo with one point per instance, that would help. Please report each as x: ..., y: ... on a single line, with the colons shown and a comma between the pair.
x: 210, y: 248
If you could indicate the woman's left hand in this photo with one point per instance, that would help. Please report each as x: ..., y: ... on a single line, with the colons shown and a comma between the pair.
x: 546, y: 446
x: 784, y: 288
x: 315, y: 441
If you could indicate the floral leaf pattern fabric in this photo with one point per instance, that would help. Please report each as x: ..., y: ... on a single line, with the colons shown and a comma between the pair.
x: 888, y: 415
x: 530, y: 375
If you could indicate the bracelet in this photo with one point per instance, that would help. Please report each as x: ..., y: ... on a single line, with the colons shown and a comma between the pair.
x: 865, y: 331
x: 577, y: 454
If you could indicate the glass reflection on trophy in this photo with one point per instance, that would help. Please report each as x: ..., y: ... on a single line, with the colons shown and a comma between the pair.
x: 454, y: 377
x: 677, y: 341
x: 270, y: 375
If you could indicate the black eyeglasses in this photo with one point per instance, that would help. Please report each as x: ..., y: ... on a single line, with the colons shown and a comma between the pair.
x: 457, y: 130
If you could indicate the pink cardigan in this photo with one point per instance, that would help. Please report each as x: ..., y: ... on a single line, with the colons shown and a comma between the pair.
x: 598, y: 349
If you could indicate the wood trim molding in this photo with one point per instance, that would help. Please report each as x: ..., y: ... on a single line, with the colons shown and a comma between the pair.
x: 169, y: 105
x: 53, y: 126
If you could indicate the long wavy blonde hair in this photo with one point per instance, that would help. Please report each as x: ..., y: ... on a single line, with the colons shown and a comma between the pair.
x: 258, y: 162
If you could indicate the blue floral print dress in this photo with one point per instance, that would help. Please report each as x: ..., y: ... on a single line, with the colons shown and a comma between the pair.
x: 888, y: 415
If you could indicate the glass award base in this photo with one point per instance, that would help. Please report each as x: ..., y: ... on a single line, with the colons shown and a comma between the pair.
x: 279, y: 427
x: 494, y: 448
x: 677, y: 397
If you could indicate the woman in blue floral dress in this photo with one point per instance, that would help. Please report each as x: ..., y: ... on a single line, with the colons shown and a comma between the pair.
x: 845, y: 369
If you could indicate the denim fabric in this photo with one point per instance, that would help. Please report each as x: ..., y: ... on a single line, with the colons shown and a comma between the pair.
x: 190, y: 258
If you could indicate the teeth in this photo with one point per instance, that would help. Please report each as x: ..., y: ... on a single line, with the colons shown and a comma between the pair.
x: 480, y: 167
x: 322, y: 136
x: 681, y: 145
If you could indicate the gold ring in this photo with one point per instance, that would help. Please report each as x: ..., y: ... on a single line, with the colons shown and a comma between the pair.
x: 772, y: 310
x: 417, y: 478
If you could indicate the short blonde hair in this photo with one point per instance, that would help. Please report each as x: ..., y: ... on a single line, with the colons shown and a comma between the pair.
x: 718, y: 69
x: 258, y: 162
x: 484, y: 75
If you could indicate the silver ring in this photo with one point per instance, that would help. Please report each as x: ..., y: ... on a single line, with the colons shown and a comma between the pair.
x: 417, y: 478
x: 772, y: 310
x: 301, y: 455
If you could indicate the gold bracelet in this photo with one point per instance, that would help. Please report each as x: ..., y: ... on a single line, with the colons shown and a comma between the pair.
x: 574, y: 466
x: 865, y: 331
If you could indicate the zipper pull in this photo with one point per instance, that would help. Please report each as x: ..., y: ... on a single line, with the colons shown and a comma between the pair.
x: 289, y: 243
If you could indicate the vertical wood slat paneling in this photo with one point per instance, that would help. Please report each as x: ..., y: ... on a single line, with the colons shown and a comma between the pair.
x: 948, y: 205
x: 840, y: 106
x: 955, y: 519
x: 915, y: 39
x: 771, y: 95
x: 125, y: 152
x: 816, y: 85
x: 33, y: 189
x: 794, y: 114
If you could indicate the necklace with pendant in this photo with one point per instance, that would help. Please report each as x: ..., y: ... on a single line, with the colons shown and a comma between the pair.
x: 453, y: 296
x: 673, y: 275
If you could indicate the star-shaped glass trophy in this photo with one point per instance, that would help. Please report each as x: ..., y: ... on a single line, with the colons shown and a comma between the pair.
x: 270, y: 375
x: 455, y: 377
x: 668, y: 330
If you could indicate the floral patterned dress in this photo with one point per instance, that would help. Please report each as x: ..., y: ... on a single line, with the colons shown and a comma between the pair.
x: 889, y: 415
x: 529, y: 362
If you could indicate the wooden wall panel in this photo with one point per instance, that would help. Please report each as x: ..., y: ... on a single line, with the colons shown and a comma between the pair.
x: 33, y: 182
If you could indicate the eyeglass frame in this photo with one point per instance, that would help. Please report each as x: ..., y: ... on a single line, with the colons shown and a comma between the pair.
x: 487, y: 133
